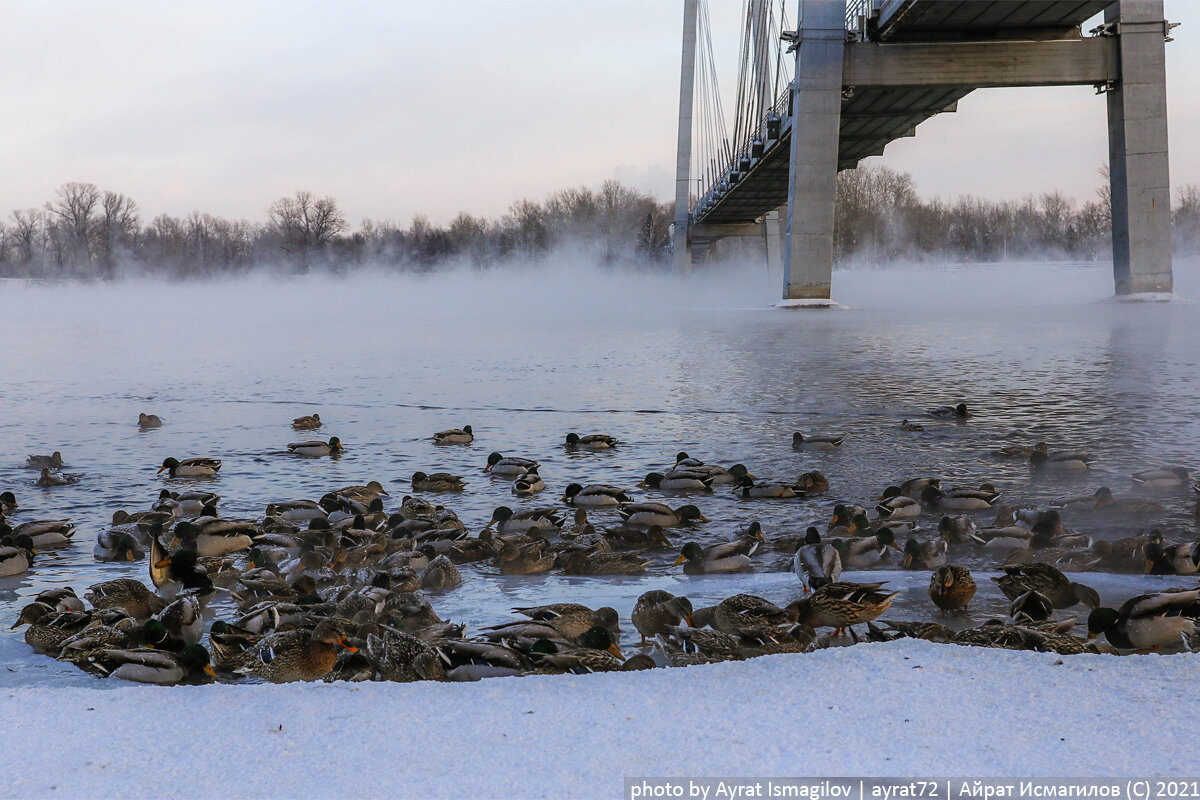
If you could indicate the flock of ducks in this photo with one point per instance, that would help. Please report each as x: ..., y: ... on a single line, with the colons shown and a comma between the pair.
x: 339, y: 588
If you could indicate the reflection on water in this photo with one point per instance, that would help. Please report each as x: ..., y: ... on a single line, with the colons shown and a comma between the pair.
x: 663, y: 364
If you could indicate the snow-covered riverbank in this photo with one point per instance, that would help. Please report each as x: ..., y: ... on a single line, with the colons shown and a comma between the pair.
x: 906, y: 708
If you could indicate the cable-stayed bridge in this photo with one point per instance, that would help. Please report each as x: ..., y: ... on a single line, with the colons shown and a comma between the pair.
x: 840, y: 80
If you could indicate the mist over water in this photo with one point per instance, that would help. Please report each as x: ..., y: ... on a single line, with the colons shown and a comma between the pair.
x: 663, y: 362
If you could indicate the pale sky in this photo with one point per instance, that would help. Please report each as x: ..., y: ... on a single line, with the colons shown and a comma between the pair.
x: 403, y: 107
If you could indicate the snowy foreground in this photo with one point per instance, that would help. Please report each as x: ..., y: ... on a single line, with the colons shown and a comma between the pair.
x: 901, y: 709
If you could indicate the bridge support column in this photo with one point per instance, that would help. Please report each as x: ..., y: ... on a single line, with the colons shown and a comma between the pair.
x: 1137, y: 151
x: 683, y: 155
x: 774, y: 232
x: 812, y: 174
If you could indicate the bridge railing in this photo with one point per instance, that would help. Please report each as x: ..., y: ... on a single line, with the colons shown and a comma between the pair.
x: 858, y: 15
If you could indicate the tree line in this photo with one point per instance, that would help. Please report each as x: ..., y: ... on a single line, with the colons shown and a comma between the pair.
x: 85, y: 232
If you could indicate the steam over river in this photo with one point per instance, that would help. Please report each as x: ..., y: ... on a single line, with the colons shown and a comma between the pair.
x: 664, y: 364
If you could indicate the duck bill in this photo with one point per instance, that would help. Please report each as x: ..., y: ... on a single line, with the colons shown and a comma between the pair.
x: 344, y: 642
x: 163, y: 564
x: 16, y: 624
x: 688, y: 620
x: 160, y: 469
x: 209, y: 671
x: 896, y: 547
x: 702, y: 518
x: 1091, y: 635
x: 616, y: 651
x: 679, y: 561
x: 908, y: 560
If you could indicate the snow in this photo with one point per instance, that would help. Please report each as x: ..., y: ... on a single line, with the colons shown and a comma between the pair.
x: 906, y: 708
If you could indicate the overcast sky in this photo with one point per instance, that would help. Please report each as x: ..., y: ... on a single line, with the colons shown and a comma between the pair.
x: 404, y: 107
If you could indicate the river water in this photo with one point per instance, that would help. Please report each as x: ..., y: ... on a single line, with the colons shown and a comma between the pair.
x: 665, y: 364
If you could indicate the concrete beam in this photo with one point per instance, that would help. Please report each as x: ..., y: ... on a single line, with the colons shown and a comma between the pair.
x: 981, y: 64
x: 683, y: 153
x: 1139, y: 168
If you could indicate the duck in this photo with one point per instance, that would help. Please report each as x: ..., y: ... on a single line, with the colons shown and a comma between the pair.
x: 894, y: 504
x: 362, y: 493
x: 191, y: 467
x: 1163, y: 478
x: 595, y: 495
x: 297, y: 510
x: 8, y: 503
x: 816, y: 563
x: 748, y: 615
x: 186, y: 504
x: 147, y: 665
x: 178, y: 572
x: 511, y: 467
x: 1146, y: 622
x: 1176, y: 559
x: 308, y: 422
x: 678, y: 481
x: 1030, y: 606
x: 592, y: 562
x: 53, y: 461
x: 1042, y: 458
x: 463, y: 435
x: 149, y: 420
x: 437, y: 482
x: 774, y: 491
x: 598, y: 652
x: 441, y: 575
x: 928, y: 554
x: 1108, y: 503
x: 317, y: 448
x: 47, y: 534
x: 1017, y: 450
x: 117, y: 546
x: 1047, y: 580
x: 128, y: 594
x: 592, y: 441
x: 844, y: 518
x: 720, y: 476
x: 182, y: 618
x: 959, y: 411
x: 657, y: 610
x: 816, y: 441
x: 16, y: 555
x: 842, y: 605
x: 718, y: 558
x: 812, y: 482
x: 533, y: 558
x: 951, y: 587
x: 295, y: 655
x: 568, y: 621
x: 935, y: 498
x: 48, y: 628
x: 542, y: 520
x: 209, y: 536
x: 688, y: 646
x: 529, y: 484
x: 911, y: 427
x: 48, y: 479
x: 861, y: 552
x: 660, y: 514
x: 957, y: 529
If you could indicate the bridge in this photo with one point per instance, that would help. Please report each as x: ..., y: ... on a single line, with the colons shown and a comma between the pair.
x: 851, y: 77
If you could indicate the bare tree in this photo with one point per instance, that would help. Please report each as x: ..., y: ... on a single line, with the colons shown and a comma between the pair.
x: 74, y: 210
x: 306, y: 223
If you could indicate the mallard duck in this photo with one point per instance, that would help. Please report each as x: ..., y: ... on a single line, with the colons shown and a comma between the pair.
x: 899, y: 629
x: 587, y: 562
x: 117, y: 546
x: 720, y: 476
x: 1164, y: 478
x: 861, y: 552
x: 775, y: 491
x: 542, y: 520
x: 510, y: 467
x: 688, y: 646
x: 957, y: 529
x: 440, y: 575
x: 816, y: 441
x: 228, y: 642
x: 1048, y: 581
x: 1031, y: 606
x: 296, y: 655
x: 401, y: 657
x: 16, y: 555
x: 362, y: 493
x: 317, y: 448
x: 842, y: 605
x: 678, y: 481
x: 128, y: 594
x: 529, y: 484
x: 60, y: 599
x: 598, y: 652
x: 54, y: 461
x: 911, y: 427
x: 309, y: 422
x: 47, y: 534
x: 297, y: 510
x: 1005, y: 539
x: 748, y: 615
x: 48, y: 629
x: 437, y: 482
x: 928, y: 554
x: 191, y: 467
x: 647, y: 514
x: 463, y: 435
x: 149, y: 420
x: 179, y: 571
x: 894, y: 504
x: 813, y: 482
x: 592, y: 441
x: 1176, y: 559
x: 215, y: 537
x: 524, y: 559
x: 572, y: 620
x: 638, y: 538
x: 189, y: 665
x: 950, y: 412
x: 595, y: 495
x: 843, y: 517
x: 191, y: 503
x: 8, y: 503
x: 816, y: 563
x: 49, y: 479
x: 1042, y: 458
x: 182, y: 618
x: 1017, y: 450
x: 717, y: 558
x: 951, y: 587
x: 1108, y: 503
x: 971, y: 500
x: 1147, y: 621
x: 657, y: 610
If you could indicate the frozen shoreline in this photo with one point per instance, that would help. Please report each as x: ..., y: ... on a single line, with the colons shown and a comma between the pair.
x: 907, y: 708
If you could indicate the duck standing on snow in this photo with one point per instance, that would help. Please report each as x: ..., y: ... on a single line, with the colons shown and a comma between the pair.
x: 951, y: 587
x: 191, y: 467
x: 317, y: 448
